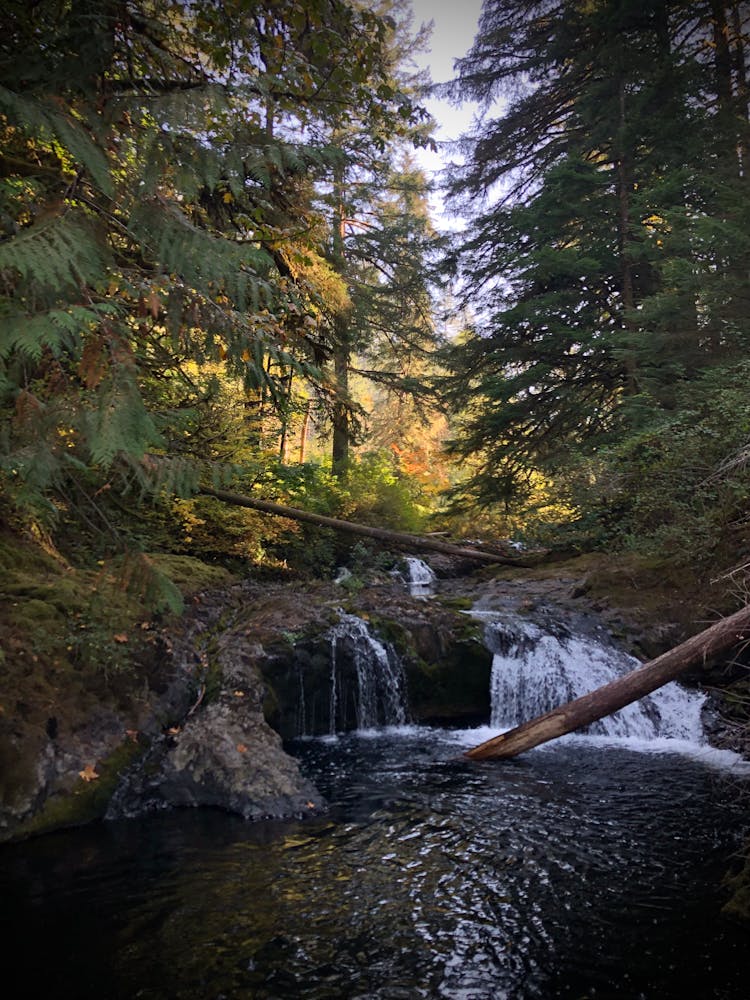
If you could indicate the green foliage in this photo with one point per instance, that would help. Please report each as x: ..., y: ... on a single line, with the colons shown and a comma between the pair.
x: 681, y: 491
x: 91, y: 645
x: 166, y: 295
x: 607, y: 267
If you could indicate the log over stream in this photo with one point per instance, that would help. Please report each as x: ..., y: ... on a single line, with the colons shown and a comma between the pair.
x: 712, y: 642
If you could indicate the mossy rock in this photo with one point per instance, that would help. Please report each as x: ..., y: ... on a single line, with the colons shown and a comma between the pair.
x: 191, y: 575
x: 457, y: 602
x: 87, y: 800
x: 454, y: 689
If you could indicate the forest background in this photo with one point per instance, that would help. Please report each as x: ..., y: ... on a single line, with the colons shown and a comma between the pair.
x: 218, y: 267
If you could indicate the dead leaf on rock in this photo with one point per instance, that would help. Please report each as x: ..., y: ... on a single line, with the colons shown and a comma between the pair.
x: 88, y: 773
x: 241, y: 748
x: 173, y: 730
x: 120, y: 637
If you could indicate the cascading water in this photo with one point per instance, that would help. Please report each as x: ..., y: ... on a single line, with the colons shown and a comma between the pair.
x: 378, y: 698
x: 421, y: 580
x: 536, y: 669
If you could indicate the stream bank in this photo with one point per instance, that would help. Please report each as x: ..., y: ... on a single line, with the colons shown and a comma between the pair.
x: 214, y: 693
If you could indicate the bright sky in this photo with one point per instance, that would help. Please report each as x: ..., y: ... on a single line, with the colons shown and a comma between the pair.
x: 455, y: 25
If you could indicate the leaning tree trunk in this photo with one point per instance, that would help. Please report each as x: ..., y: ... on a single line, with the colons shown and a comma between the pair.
x: 399, y: 539
x: 712, y: 642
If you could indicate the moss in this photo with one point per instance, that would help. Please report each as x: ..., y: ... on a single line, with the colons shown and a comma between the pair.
x: 87, y: 800
x: 393, y: 632
x: 454, y: 688
x: 456, y: 603
x: 738, y: 905
x: 191, y: 575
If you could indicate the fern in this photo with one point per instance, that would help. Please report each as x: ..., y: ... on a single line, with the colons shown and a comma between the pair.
x: 205, y: 262
x: 56, y: 253
x: 44, y: 120
x: 119, y: 423
x: 57, y: 330
x: 140, y: 578
x: 157, y: 475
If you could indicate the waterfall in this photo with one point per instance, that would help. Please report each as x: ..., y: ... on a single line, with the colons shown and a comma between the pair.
x: 536, y: 669
x: 368, y: 684
x: 421, y: 580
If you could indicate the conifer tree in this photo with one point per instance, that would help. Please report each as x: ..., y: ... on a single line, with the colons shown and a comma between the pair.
x: 606, y: 199
x: 381, y: 239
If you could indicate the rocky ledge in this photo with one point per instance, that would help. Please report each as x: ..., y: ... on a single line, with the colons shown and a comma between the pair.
x: 206, y: 728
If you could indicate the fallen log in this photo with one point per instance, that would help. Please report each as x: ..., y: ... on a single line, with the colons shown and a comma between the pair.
x: 400, y: 539
x: 714, y: 641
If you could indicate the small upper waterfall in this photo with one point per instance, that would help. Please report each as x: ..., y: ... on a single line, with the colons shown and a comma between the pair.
x: 536, y: 669
x: 368, y: 684
x: 421, y: 580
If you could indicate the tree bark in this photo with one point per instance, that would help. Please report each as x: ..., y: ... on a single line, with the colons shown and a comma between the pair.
x: 714, y: 641
x: 304, y: 432
x: 340, y: 417
x: 396, y: 538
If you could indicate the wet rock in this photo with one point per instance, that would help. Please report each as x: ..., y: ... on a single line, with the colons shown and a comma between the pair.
x: 224, y: 755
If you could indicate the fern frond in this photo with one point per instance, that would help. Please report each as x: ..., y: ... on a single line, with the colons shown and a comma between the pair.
x: 46, y: 121
x: 120, y: 423
x: 56, y: 330
x: 56, y: 253
x: 174, y: 475
x: 210, y: 264
x: 140, y: 577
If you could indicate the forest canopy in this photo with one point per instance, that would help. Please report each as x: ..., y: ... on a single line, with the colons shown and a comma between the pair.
x: 218, y: 263
x: 607, y: 261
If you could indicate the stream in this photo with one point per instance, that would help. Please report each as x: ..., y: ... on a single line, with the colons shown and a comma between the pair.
x: 588, y: 868
x: 583, y: 870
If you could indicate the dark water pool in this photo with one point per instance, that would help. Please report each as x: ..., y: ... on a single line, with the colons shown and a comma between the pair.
x: 577, y: 872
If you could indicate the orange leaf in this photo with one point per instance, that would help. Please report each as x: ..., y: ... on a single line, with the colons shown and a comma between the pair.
x: 88, y: 773
x: 120, y: 637
x: 241, y: 748
x: 93, y: 365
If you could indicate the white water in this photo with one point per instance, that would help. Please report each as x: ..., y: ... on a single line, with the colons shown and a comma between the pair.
x: 380, y: 694
x: 535, y: 670
x: 421, y: 578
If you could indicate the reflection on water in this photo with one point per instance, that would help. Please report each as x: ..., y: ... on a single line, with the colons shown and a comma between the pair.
x: 578, y: 872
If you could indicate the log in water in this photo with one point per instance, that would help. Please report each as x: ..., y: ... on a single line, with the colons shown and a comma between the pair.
x: 715, y: 641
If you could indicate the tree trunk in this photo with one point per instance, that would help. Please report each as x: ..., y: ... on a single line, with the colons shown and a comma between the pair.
x: 623, y: 187
x: 722, y: 55
x: 396, y: 538
x: 304, y: 432
x: 714, y: 641
x: 342, y: 341
x: 285, y: 411
x: 340, y: 416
